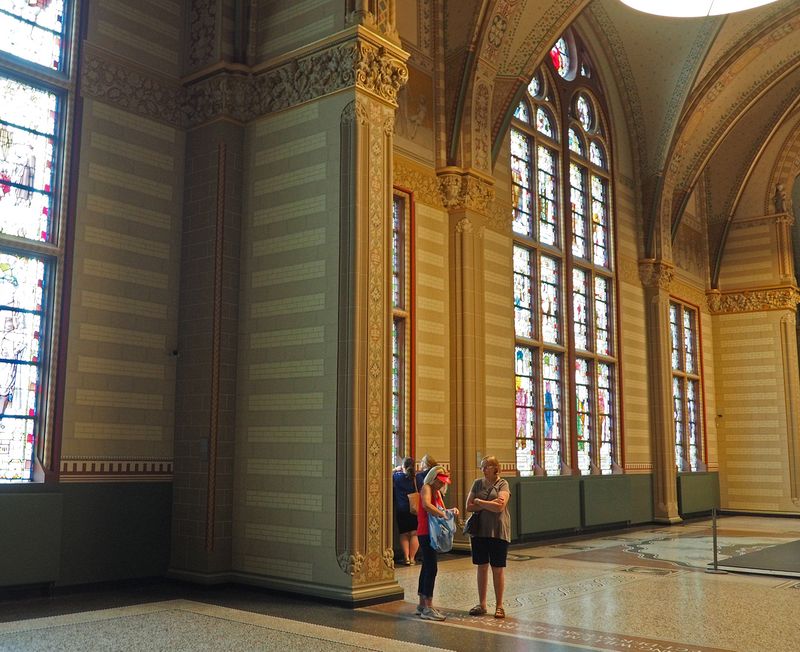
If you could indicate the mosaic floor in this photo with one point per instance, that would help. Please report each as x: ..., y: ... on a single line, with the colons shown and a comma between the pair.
x: 644, y: 590
x: 638, y: 590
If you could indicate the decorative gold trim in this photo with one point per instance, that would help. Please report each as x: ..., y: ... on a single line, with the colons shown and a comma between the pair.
x: 419, y: 180
x: 465, y: 190
x: 758, y: 300
x: 111, y: 469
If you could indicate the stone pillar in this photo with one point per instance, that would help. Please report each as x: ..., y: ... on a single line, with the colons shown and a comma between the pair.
x: 467, y: 197
x: 656, y: 278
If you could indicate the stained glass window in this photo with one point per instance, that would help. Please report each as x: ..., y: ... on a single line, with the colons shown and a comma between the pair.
x: 524, y: 374
x: 536, y: 87
x: 547, y: 193
x: 560, y: 56
x: 33, y: 30
x: 575, y: 142
x: 577, y: 196
x: 522, y: 112
x: 583, y: 415
x: 401, y: 334
x: 596, y: 155
x: 550, y: 293
x: 599, y: 221
x: 685, y: 386
x: 544, y: 123
x: 583, y: 109
x: 27, y: 138
x: 33, y: 134
x: 523, y: 300
x: 563, y: 300
x: 521, y: 183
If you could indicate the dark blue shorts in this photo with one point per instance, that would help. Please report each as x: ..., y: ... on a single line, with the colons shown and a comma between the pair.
x: 488, y: 550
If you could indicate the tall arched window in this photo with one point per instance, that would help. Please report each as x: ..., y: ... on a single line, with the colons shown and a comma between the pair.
x: 36, y: 82
x: 566, y: 364
x: 401, y: 326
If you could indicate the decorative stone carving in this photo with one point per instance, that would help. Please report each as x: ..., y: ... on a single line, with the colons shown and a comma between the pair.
x: 354, y: 63
x: 465, y: 191
x: 781, y: 298
x: 656, y: 274
x: 780, y: 199
x: 351, y: 563
x: 147, y: 95
x: 202, y: 33
x: 388, y: 558
x: 480, y: 132
x: 419, y: 180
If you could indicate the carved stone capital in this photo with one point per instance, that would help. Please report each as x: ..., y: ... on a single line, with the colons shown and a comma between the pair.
x: 351, y: 563
x: 463, y: 190
x: 780, y: 298
x: 656, y: 274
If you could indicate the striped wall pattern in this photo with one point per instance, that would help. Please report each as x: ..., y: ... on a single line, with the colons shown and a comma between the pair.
x: 146, y: 31
x: 120, y: 388
x: 749, y: 259
x: 284, y: 26
x: 751, y: 402
x: 432, y: 331
x: 288, y: 327
x: 498, y: 281
x: 709, y: 390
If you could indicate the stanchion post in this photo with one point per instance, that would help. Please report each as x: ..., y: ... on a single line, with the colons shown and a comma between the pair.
x: 714, y: 570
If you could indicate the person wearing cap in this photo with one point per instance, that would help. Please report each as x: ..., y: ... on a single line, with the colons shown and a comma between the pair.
x: 430, y: 499
x: 489, y: 497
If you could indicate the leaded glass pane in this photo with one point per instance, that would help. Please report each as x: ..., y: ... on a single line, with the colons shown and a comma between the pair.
x: 523, y: 287
x: 585, y: 70
x: 544, y: 123
x: 599, y: 221
x: 692, y: 424
x: 546, y: 188
x: 22, y: 282
x: 560, y: 56
x: 575, y: 142
x: 583, y: 414
x: 577, y: 195
x: 522, y: 113
x: 580, y: 308
x: 688, y: 341
x: 33, y: 30
x: 605, y: 416
x: 551, y: 395
x: 521, y: 184
x: 397, y: 252
x: 597, y: 155
x: 549, y: 283
x: 602, y: 326
x: 585, y: 114
x: 27, y: 129
x: 525, y: 410
x: 397, y: 448
x: 677, y: 414
x: 536, y: 87
x: 675, y: 337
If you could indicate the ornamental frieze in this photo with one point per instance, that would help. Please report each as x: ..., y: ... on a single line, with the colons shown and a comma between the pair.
x: 420, y: 181
x: 240, y: 94
x: 781, y: 298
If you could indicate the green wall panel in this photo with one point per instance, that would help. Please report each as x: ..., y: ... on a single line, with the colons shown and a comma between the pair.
x: 30, y: 535
x: 697, y: 492
x: 605, y: 499
x: 641, y: 493
x: 548, y: 504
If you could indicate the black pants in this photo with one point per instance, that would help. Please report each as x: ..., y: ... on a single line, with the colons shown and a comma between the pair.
x: 430, y: 566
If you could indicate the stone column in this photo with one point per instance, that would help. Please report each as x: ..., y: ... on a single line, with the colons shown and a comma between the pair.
x: 656, y: 278
x: 467, y: 197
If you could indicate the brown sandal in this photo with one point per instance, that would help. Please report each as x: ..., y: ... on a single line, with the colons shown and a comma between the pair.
x: 499, y: 612
x: 477, y: 610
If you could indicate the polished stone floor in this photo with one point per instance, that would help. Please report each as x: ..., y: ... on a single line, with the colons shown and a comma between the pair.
x: 641, y: 589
